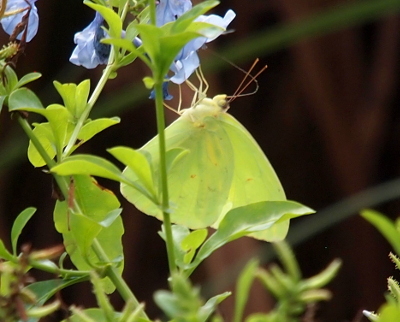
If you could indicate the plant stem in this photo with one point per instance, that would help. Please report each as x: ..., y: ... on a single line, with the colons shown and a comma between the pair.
x: 92, y: 100
x: 159, y: 79
x: 152, y: 6
x: 62, y: 184
x: 115, y: 277
x: 163, y: 174
x: 3, y: 8
x: 64, y: 273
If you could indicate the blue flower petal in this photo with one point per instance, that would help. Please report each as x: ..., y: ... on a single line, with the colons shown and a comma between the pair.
x: 166, y: 95
x: 170, y: 10
x: 184, y: 67
x: 89, y: 51
x: 187, y: 60
x: 9, y: 23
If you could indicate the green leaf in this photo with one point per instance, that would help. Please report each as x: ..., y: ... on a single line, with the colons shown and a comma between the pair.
x: 27, y: 79
x: 151, y: 40
x: 130, y: 58
x: 81, y: 97
x: 45, y: 136
x: 262, y: 317
x: 113, y: 20
x: 74, y: 96
x: 322, y: 278
x: 110, y: 218
x: 183, y: 303
x: 178, y: 234
x: 243, y: 285
x: 185, y: 20
x: 148, y: 82
x: 84, y: 230
x: 24, y: 99
x: 44, y: 290
x: 94, y: 127
x: 247, y: 220
x: 385, y: 226
x: 19, y: 224
x: 82, y: 164
x: 191, y: 242
x: 168, y: 47
x: 205, y: 29
x: 211, y: 305
x: 127, y: 45
x: 58, y: 117
x: 89, y: 315
x: 121, y: 43
x: 67, y: 93
x: 98, y: 206
x: 2, y: 99
x: 4, y: 253
x: 11, y: 79
x: 389, y: 313
x: 138, y: 163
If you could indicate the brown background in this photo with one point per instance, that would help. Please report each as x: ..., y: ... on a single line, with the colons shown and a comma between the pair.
x: 326, y: 114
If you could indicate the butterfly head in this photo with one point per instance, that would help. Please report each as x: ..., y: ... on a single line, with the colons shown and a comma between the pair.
x: 221, y: 101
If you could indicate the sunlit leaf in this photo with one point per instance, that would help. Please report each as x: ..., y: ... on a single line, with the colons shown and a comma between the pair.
x: 98, y: 206
x: 23, y: 99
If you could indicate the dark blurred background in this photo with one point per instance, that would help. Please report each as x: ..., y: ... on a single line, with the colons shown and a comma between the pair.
x: 326, y: 114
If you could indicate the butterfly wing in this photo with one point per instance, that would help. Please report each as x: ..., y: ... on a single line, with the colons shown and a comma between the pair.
x: 254, y: 178
x: 199, y: 180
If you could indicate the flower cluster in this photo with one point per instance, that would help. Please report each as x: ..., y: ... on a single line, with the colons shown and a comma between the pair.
x: 89, y: 52
x: 16, y: 13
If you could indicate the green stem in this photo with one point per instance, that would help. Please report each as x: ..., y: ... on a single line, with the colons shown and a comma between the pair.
x: 63, y: 185
x: 3, y: 8
x: 163, y: 174
x: 152, y: 7
x: 162, y: 150
x: 116, y: 278
x: 65, y: 273
x: 93, y: 98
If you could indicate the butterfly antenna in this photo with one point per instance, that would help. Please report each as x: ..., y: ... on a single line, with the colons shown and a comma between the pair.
x: 247, y: 74
x: 253, y: 79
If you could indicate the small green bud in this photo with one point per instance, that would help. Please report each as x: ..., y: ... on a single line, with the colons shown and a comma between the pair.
x: 313, y: 296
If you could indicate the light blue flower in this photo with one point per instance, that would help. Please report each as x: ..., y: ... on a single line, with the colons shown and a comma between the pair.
x: 89, y: 51
x: 166, y: 95
x: 21, y: 7
x: 170, y: 10
x: 187, y: 60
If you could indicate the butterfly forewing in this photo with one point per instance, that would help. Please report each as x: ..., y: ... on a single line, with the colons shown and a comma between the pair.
x: 199, y: 181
